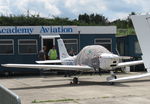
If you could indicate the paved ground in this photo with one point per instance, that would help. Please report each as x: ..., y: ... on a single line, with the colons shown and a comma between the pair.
x: 91, y: 90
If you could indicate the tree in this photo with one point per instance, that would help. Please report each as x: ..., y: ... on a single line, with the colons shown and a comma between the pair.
x: 94, y: 19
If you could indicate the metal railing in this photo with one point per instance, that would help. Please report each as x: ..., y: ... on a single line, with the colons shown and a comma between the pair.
x: 8, y: 97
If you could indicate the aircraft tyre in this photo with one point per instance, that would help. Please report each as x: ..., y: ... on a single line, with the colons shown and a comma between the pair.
x: 75, y: 80
x: 114, y: 76
x: 110, y: 78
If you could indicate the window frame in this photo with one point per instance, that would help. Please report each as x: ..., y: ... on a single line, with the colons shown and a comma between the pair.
x: 137, y: 48
x: 8, y: 44
x: 72, y: 43
x: 104, y: 42
x: 25, y: 44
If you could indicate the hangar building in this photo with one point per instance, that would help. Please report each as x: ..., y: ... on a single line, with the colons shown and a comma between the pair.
x: 128, y: 45
x: 21, y: 44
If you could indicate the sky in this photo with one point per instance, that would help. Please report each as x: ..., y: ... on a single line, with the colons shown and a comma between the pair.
x: 112, y: 9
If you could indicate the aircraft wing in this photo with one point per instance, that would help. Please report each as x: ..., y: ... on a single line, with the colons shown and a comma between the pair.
x: 125, y: 57
x: 48, y: 61
x: 123, y: 64
x: 50, y: 67
x: 130, y: 77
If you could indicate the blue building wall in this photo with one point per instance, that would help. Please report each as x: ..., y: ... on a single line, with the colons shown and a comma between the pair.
x: 18, y: 58
x: 129, y: 45
x: 88, y: 39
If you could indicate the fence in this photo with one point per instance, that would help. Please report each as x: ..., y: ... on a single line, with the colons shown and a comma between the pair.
x: 8, y: 97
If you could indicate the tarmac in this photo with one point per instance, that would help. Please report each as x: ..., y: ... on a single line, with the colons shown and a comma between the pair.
x: 91, y: 90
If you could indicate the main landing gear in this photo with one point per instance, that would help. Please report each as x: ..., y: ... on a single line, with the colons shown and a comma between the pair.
x: 112, y: 76
x: 75, y: 81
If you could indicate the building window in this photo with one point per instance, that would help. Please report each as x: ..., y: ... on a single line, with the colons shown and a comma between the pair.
x: 137, y: 48
x: 121, y: 48
x: 107, y: 43
x: 71, y: 45
x: 6, y: 47
x: 27, y: 46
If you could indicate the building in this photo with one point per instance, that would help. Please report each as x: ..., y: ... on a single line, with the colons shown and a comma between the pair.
x: 128, y: 45
x: 21, y: 44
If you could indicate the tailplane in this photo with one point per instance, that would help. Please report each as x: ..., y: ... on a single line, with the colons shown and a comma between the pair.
x: 62, y: 49
x: 142, y: 27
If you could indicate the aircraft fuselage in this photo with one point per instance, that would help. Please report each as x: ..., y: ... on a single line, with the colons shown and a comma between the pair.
x: 104, y: 61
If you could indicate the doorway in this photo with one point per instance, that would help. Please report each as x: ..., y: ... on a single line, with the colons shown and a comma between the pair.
x: 48, y: 43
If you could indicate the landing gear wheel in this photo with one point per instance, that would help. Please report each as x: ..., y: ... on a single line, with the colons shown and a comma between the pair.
x: 75, y: 81
x: 114, y: 77
x: 111, y: 78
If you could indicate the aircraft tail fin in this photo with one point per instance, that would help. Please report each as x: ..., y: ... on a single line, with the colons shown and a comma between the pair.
x: 142, y: 27
x: 62, y: 49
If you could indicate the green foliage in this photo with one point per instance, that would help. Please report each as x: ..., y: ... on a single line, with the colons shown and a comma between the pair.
x: 93, y: 19
x: 83, y: 20
x: 22, y: 20
x: 129, y: 31
x: 33, y: 21
x: 124, y: 24
x: 53, y: 101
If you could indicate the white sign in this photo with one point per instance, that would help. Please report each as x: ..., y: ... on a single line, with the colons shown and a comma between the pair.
x: 38, y: 30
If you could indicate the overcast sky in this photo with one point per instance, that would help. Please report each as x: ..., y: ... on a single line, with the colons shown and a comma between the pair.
x: 112, y: 9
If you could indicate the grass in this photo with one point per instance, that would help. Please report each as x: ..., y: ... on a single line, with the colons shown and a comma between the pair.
x: 105, y: 97
x: 67, y: 100
x: 125, y: 32
x: 60, y: 100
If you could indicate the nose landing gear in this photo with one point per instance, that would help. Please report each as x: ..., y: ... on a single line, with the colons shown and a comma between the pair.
x: 112, y: 76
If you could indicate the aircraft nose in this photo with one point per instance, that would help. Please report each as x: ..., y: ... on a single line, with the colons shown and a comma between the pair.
x: 109, y: 55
